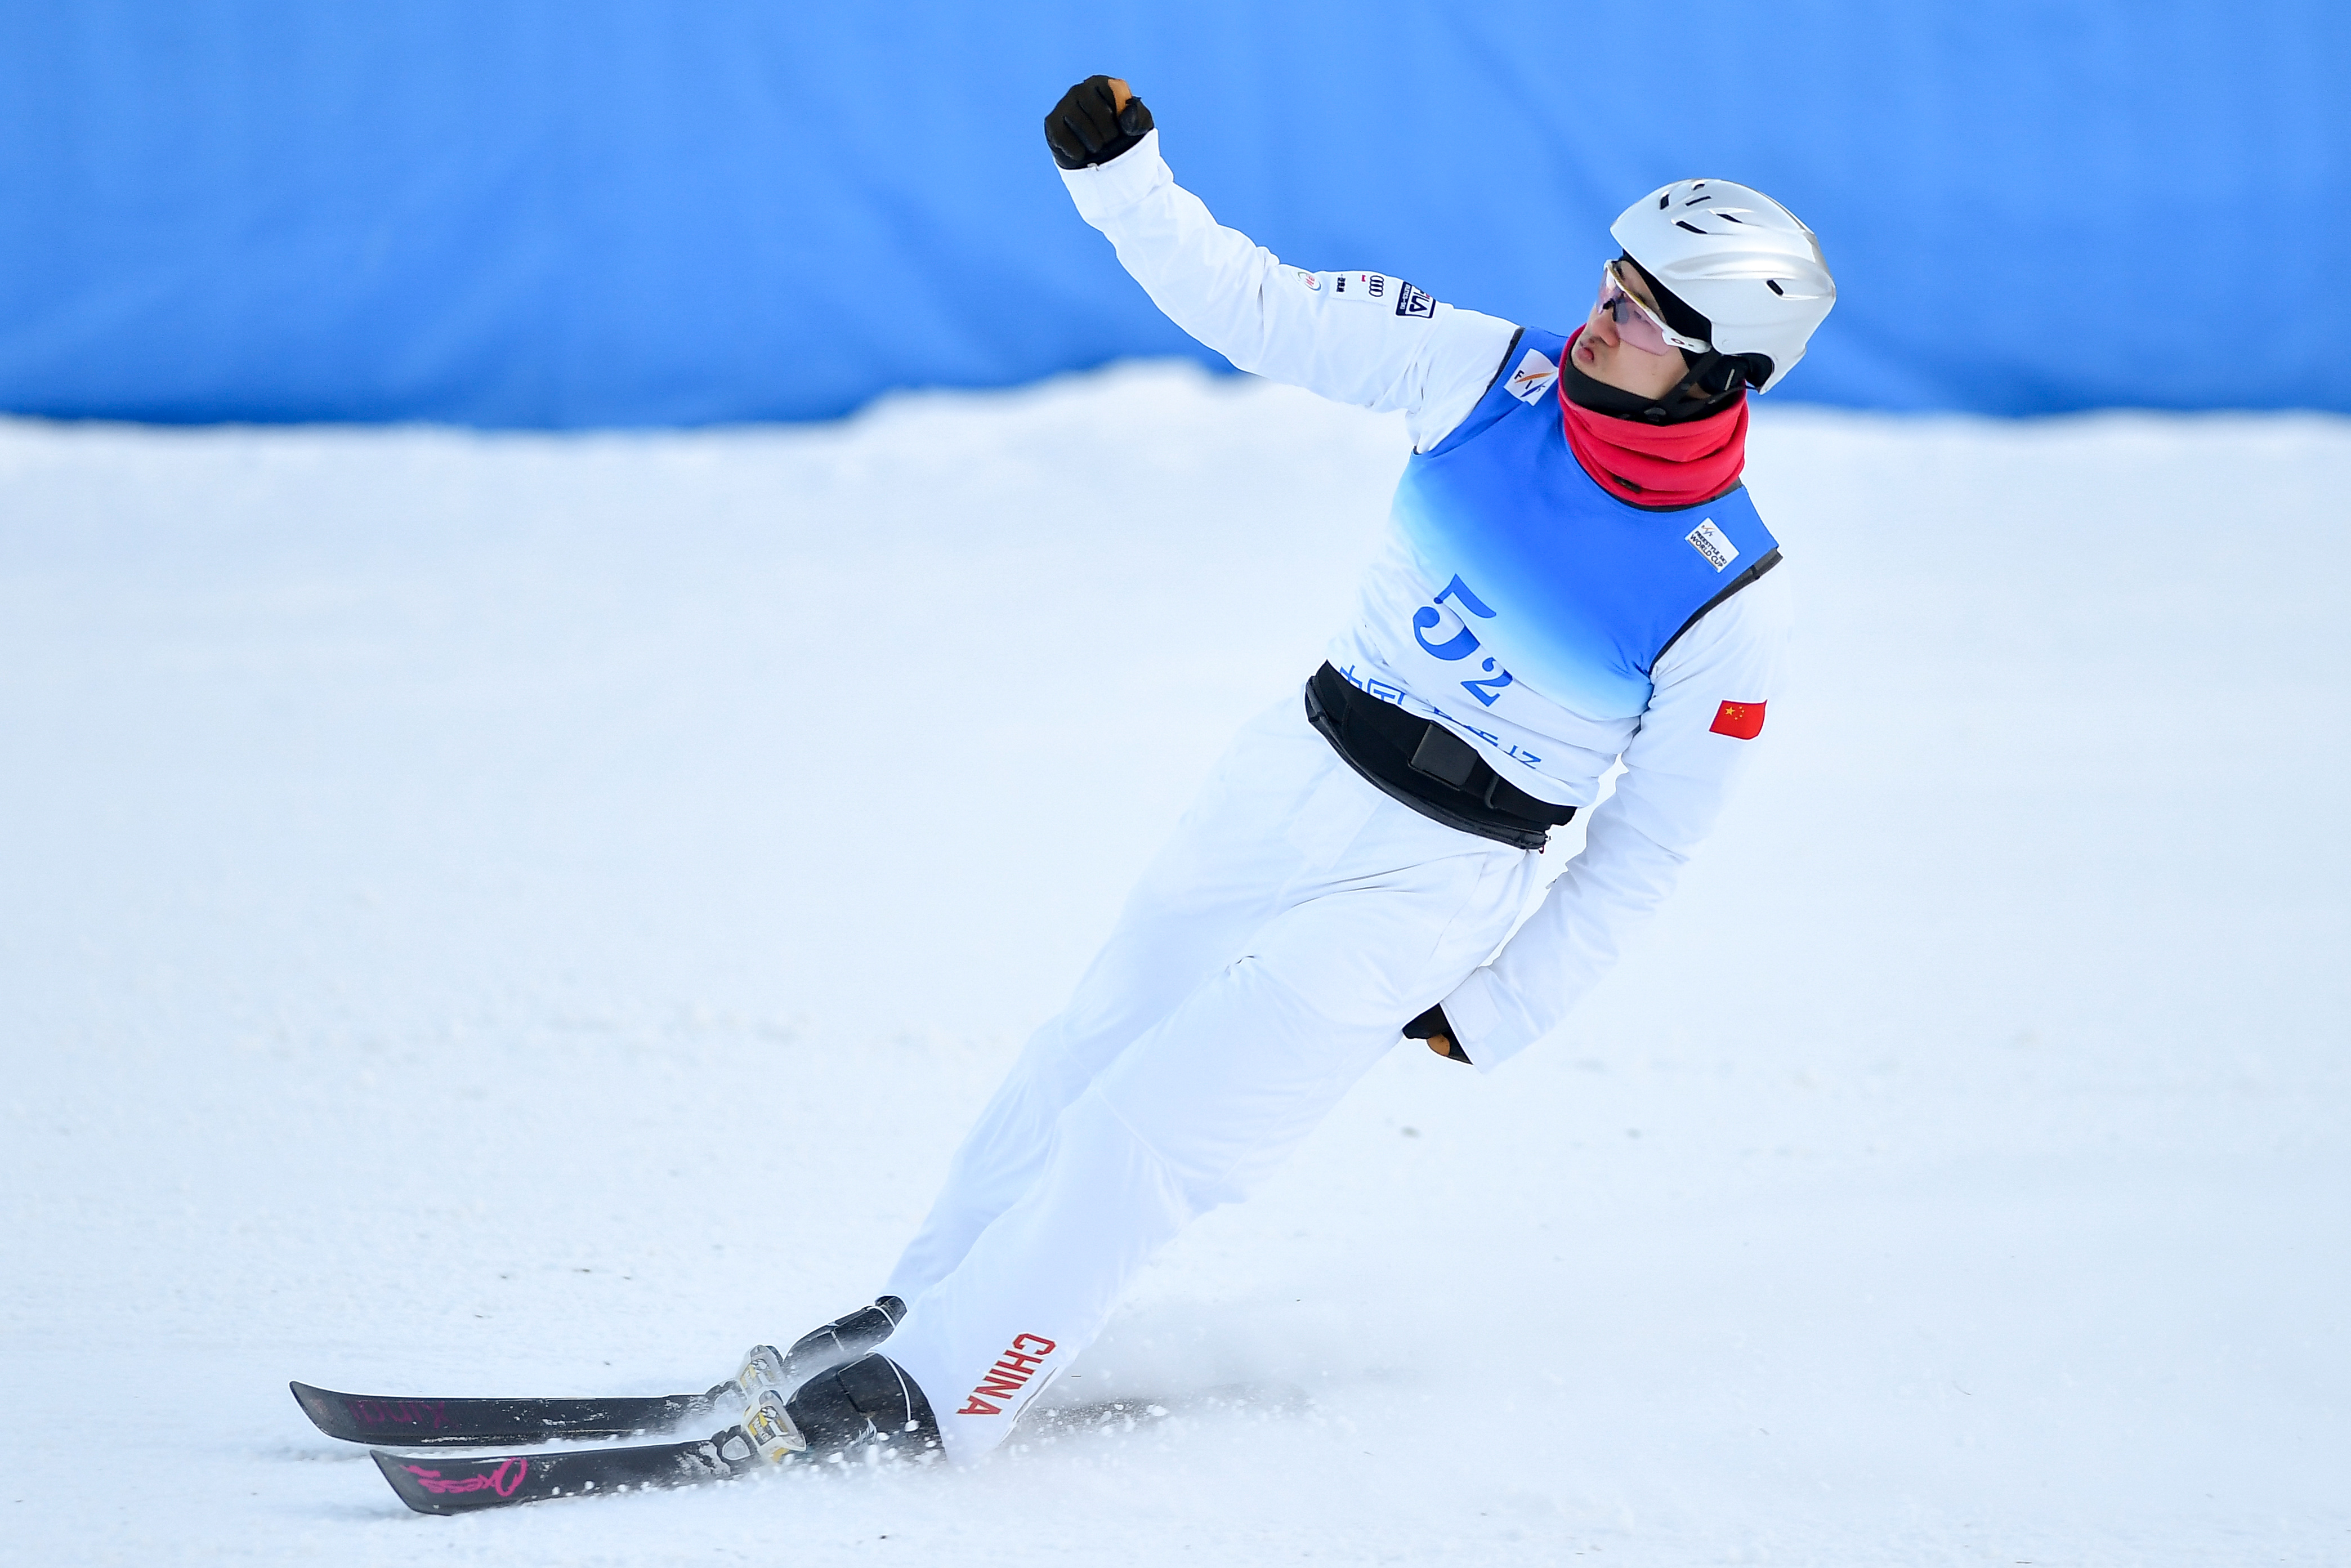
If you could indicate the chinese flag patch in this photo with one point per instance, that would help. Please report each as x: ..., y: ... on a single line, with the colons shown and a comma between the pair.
x: 1740, y: 721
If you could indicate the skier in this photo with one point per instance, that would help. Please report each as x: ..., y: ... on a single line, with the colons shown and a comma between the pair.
x: 1575, y: 576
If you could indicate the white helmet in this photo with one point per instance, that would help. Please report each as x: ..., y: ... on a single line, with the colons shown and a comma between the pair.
x: 1738, y: 258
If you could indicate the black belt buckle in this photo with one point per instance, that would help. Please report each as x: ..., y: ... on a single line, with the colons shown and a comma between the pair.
x: 1445, y: 757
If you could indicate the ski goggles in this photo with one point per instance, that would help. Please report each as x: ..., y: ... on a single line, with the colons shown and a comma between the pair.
x: 1637, y: 324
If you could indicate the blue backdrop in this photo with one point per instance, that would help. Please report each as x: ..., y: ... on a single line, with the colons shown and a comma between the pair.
x: 511, y: 212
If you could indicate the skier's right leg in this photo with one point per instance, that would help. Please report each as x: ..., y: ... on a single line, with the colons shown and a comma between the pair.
x: 1205, y: 1104
x: 1221, y: 877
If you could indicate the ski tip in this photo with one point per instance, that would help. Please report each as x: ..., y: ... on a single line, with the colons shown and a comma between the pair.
x: 322, y: 1405
x: 402, y: 1485
x: 405, y: 1477
x: 370, y: 1419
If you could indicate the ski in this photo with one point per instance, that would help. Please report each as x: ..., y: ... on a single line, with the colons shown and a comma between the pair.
x: 408, y: 1421
x: 434, y: 1483
x: 411, y: 1422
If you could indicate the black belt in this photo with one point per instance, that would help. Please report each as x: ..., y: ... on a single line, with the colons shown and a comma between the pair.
x: 1426, y: 766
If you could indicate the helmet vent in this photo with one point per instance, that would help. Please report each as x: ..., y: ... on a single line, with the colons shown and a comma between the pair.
x: 1775, y: 286
x: 1693, y: 228
x: 1663, y: 201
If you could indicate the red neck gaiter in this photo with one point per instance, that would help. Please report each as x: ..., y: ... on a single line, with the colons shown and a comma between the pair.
x: 1657, y: 465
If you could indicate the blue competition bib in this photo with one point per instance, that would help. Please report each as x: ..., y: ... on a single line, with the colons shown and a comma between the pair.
x: 1550, y: 580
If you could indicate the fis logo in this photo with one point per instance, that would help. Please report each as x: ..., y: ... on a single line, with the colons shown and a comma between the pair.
x: 1013, y: 1369
x: 1411, y: 301
x: 1710, y: 542
x: 1533, y: 377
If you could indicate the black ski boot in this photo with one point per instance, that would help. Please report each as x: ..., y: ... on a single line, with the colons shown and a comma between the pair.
x: 870, y: 1402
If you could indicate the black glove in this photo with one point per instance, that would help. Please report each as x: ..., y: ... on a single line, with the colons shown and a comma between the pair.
x: 1086, y: 128
x: 1433, y: 1027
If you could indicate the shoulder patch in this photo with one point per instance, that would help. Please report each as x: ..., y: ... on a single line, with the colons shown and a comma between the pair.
x: 1740, y: 721
x: 1714, y: 544
x: 1371, y: 289
x: 1533, y: 377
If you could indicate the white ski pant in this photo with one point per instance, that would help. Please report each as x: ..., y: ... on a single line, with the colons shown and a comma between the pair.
x: 1274, y: 950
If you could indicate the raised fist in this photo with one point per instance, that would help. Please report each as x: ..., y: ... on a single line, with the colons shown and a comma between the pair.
x: 1094, y: 122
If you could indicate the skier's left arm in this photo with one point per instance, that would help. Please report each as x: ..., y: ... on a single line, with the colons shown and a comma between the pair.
x: 1711, y: 688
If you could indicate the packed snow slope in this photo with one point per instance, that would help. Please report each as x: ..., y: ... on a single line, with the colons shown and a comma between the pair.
x: 518, y: 914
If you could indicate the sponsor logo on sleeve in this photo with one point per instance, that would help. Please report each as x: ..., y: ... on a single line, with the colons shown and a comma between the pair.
x: 1012, y: 1370
x: 1710, y: 542
x: 1308, y: 279
x: 1411, y: 301
x: 1533, y: 377
x: 1366, y: 286
x: 1740, y: 721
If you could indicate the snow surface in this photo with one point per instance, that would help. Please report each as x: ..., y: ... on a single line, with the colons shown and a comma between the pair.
x: 527, y: 914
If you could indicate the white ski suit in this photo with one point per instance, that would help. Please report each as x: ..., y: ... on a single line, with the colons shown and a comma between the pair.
x: 1299, y: 915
